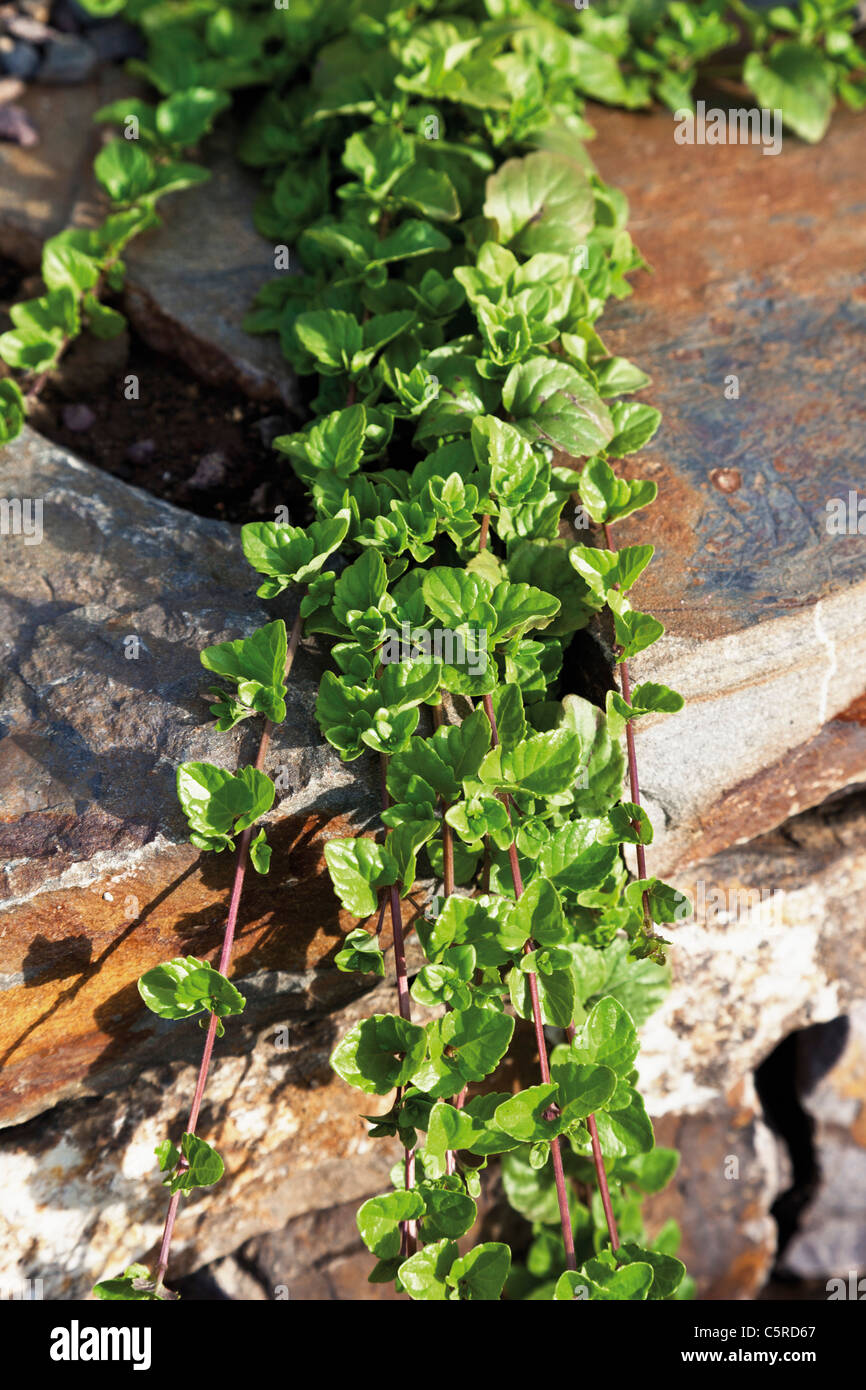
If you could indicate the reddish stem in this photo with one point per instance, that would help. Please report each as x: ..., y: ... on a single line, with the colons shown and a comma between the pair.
x: 224, y: 962
x: 600, y: 1171
x: 555, y: 1151
x: 409, y: 1228
x: 634, y: 784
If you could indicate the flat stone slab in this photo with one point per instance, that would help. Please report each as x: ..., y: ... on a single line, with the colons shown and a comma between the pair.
x: 758, y: 276
x: 99, y: 880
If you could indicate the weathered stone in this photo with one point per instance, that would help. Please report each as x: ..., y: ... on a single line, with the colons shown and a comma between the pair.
x: 80, y: 1195
x: 101, y: 627
x: 721, y: 1197
x: 67, y: 59
x: 757, y: 275
x: 776, y: 944
x: 831, y: 1240
x: 317, y: 1256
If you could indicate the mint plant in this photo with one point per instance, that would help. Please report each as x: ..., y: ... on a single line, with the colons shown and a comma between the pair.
x: 81, y: 264
x: 457, y: 250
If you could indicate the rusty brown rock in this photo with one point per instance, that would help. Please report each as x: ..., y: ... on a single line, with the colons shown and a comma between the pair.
x: 756, y: 277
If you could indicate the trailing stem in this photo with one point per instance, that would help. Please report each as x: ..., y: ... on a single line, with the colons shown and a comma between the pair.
x: 409, y: 1228
x: 634, y: 784
x: 241, y: 863
x: 555, y: 1150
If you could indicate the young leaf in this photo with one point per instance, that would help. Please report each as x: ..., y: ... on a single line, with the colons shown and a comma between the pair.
x: 379, y: 1053
x: 185, y: 986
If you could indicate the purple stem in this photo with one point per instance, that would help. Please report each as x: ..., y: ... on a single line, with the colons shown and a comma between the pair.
x: 555, y: 1151
x: 224, y: 961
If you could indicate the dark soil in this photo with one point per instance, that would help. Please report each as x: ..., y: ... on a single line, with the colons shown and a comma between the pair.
x: 204, y: 448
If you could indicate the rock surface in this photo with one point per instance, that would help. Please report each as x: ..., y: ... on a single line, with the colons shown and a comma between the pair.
x: 776, y: 944
x: 731, y: 1171
x: 831, y: 1240
x: 102, y: 624
x: 757, y: 276
x: 80, y: 1195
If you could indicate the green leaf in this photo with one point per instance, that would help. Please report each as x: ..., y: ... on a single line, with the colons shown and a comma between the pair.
x: 542, y: 202
x: 168, y: 1155
x: 185, y: 116
x: 582, y: 1088
x: 624, y: 1127
x: 544, y: 765
x: 552, y: 401
x: 358, y: 868
x: 260, y: 853
x: 185, y: 986
x: 480, y: 1274
x: 424, y: 1275
x: 361, y: 952
x: 125, y: 170
x: 635, y: 632
x: 135, y: 1284
x: 205, y: 1167
x: 607, y: 1037
x: 466, y: 1045
x: 523, y: 1116
x: 574, y: 865
x: 12, y: 410
x: 379, y: 1053
x: 473, y: 1128
x: 555, y: 994
x: 447, y: 1212
x: 634, y: 427
x: 103, y: 321
x: 257, y: 666
x: 668, y: 1272
x: 796, y: 78
x: 609, y: 498
x: 538, y: 914
x: 379, y: 1221
x: 631, y: 824
x: 219, y: 804
x: 291, y: 554
x: 28, y: 350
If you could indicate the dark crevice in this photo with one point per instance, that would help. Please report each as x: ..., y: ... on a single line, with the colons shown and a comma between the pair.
x: 783, y: 1081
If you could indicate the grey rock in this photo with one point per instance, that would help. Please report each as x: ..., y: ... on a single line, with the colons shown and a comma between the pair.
x: 101, y: 625
x: 190, y: 282
x: 68, y: 60
x: 210, y: 471
x: 116, y: 40
x: 141, y: 450
x: 776, y: 944
x: 20, y: 60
